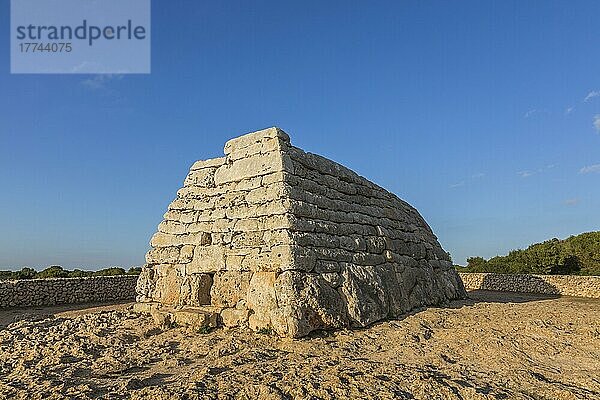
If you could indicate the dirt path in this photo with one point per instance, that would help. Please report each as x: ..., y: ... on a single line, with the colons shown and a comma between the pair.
x: 495, y: 346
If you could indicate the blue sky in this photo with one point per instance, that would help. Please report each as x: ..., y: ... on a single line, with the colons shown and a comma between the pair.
x: 478, y: 113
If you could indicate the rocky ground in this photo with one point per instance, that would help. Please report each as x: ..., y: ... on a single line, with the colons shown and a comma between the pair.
x: 494, y: 346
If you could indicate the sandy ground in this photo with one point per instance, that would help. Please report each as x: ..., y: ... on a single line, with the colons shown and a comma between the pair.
x: 494, y: 346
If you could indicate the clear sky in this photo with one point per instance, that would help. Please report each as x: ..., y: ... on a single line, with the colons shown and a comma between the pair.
x: 478, y: 113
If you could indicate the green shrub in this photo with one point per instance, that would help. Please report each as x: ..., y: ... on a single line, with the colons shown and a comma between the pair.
x: 110, y: 271
x: 54, y: 271
x: 77, y: 273
x: 25, y: 273
x: 134, y: 271
x: 578, y: 254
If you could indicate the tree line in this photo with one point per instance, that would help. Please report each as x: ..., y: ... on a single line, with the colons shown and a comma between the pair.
x: 576, y: 255
x: 56, y: 271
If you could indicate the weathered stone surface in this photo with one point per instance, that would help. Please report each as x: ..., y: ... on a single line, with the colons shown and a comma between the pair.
x: 54, y: 291
x: 210, y: 163
x: 229, y: 287
x: 261, y: 299
x: 306, y: 302
x: 195, y: 290
x: 250, y: 139
x: 293, y: 242
x: 365, y: 294
x: 196, y: 319
x: 244, y: 168
x: 233, y: 317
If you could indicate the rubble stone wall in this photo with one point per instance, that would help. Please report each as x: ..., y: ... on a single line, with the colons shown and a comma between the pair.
x: 55, y: 291
x: 566, y: 285
x: 272, y: 237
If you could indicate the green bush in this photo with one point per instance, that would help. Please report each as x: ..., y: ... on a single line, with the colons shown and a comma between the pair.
x: 56, y: 271
x: 24, y: 273
x: 77, y: 273
x: 134, y: 271
x: 110, y: 271
x: 575, y: 255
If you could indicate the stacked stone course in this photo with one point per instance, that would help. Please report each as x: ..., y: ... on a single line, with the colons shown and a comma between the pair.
x: 272, y: 237
x: 564, y: 285
x: 55, y: 291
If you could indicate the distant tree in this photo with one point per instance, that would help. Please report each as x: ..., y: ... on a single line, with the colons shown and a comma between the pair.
x: 570, y: 265
x: 575, y: 255
x: 54, y: 271
x: 476, y: 264
x: 77, y: 273
x: 110, y: 271
x: 25, y: 273
x: 134, y: 271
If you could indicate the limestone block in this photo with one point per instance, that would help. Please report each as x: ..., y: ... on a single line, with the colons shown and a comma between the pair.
x: 172, y: 227
x: 210, y: 163
x: 195, y: 290
x: 204, y: 203
x: 265, y: 145
x: 181, y: 204
x: 249, y: 184
x: 368, y: 259
x: 222, y: 225
x: 322, y: 266
x: 340, y: 255
x: 276, y: 207
x: 365, y: 294
x: 233, y: 262
x: 233, y: 317
x: 255, y: 137
x: 306, y: 303
x: 275, y: 177
x: 229, y: 287
x: 159, y: 255
x: 209, y: 258
x: 247, y: 239
x: 195, y: 227
x: 167, y: 288
x: 246, y: 225
x: 258, y: 165
x: 264, y: 194
x: 277, y: 237
x: 294, y: 257
x: 375, y: 244
x: 186, y: 253
x: 145, y: 284
x: 160, y: 239
x: 195, y: 319
x: 334, y: 279
x: 261, y: 299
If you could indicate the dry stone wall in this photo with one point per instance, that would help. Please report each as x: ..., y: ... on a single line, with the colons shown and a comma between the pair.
x: 272, y: 237
x: 55, y: 291
x: 566, y: 285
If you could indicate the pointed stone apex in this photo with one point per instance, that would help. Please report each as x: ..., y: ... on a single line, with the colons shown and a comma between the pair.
x: 254, y: 138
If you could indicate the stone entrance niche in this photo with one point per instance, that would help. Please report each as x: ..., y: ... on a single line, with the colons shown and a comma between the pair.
x: 269, y: 236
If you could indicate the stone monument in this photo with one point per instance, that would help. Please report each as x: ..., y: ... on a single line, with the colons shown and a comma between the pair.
x: 272, y: 237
